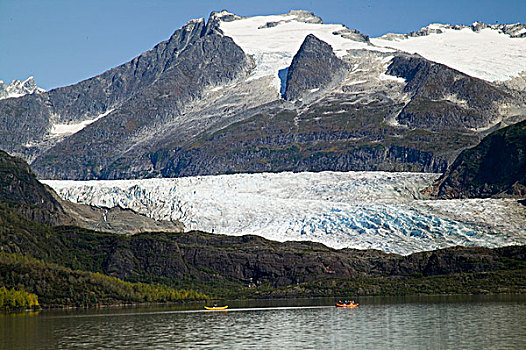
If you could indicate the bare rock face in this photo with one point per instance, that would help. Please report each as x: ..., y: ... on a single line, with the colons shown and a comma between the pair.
x: 314, y: 66
x: 495, y: 167
x: 117, y: 220
x: 443, y: 98
x: 20, y: 188
x: 154, y: 87
x: 211, y: 60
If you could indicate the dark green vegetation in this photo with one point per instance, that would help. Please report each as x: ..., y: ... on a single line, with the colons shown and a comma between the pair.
x: 500, y: 281
x: 58, y: 286
x: 26, y: 208
x: 495, y: 167
x: 23, y: 193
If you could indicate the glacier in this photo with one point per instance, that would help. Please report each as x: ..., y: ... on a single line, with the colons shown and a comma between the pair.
x: 487, y: 54
x: 364, y: 210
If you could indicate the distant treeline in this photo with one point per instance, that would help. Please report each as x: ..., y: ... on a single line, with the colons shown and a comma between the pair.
x: 11, y: 299
x: 60, y: 286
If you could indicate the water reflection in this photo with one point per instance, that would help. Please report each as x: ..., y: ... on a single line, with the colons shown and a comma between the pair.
x: 394, y: 323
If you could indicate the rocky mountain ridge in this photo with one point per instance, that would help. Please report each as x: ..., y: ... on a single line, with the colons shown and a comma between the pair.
x: 207, y: 101
x: 517, y: 30
x: 19, y: 88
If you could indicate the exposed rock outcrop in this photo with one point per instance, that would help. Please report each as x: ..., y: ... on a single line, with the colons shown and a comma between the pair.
x: 495, y: 167
x: 443, y: 98
x: 314, y: 67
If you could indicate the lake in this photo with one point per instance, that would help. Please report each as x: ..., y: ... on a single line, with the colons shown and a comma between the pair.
x: 452, y: 322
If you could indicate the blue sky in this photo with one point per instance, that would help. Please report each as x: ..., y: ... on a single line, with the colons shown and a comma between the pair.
x: 61, y: 42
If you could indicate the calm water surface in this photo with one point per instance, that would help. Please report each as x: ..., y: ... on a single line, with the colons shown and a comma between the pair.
x: 484, y: 322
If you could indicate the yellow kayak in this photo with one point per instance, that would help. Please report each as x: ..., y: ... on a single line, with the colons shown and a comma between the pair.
x: 216, y: 307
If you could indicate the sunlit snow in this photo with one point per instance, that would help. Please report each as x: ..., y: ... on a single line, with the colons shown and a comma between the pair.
x: 354, y: 209
x: 19, y: 88
x: 58, y: 130
x: 488, y: 54
x: 274, y: 47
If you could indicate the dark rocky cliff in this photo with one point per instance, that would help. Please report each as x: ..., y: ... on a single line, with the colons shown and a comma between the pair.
x: 495, y: 167
x: 313, y: 67
x: 20, y: 188
x: 444, y: 98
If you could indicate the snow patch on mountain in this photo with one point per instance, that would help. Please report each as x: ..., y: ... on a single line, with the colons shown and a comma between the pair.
x: 19, y: 88
x: 488, y: 53
x: 64, y: 129
x: 274, y: 40
x: 363, y: 210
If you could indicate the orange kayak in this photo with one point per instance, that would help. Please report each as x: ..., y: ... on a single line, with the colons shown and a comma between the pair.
x: 347, y: 305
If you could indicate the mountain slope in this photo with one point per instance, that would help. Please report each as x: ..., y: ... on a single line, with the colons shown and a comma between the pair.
x: 314, y: 66
x: 242, y: 94
x: 135, y: 124
x: 495, y: 167
x: 22, y: 192
x: 19, y: 187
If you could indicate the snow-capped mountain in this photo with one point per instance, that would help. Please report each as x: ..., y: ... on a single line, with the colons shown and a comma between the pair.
x: 273, y: 41
x: 489, y: 52
x: 19, y: 88
x: 269, y: 93
x: 366, y: 210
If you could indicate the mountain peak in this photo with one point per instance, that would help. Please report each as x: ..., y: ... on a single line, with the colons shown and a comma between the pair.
x: 19, y: 88
x: 313, y: 68
x: 273, y: 40
x: 224, y: 16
